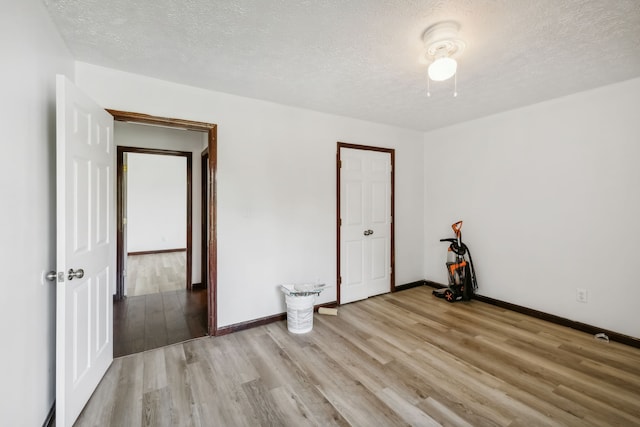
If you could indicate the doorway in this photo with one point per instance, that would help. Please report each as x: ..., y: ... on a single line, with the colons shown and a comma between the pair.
x: 204, y: 290
x: 365, y: 225
x: 155, y: 207
x: 156, y: 304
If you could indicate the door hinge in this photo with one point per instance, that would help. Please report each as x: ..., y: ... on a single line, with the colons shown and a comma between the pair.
x: 124, y: 168
x: 340, y: 222
x: 124, y: 221
x: 340, y: 163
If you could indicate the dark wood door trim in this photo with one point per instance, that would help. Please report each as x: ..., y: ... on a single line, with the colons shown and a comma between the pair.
x: 120, y: 202
x: 391, y: 151
x: 204, y: 216
x: 212, y: 289
x: 212, y: 139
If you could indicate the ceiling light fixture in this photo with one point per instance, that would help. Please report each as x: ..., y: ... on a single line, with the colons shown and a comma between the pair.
x: 442, y: 69
x: 443, y: 47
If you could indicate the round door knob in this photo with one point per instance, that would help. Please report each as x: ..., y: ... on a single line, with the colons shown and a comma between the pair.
x: 78, y: 274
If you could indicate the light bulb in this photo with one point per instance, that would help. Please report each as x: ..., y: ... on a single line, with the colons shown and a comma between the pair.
x: 442, y: 69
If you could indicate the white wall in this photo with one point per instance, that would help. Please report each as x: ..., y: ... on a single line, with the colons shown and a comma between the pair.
x: 276, y: 186
x: 143, y: 136
x: 549, y: 195
x: 32, y: 53
x: 156, y: 202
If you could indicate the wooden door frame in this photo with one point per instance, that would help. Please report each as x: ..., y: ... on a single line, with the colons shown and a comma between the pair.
x: 391, y: 151
x: 188, y: 155
x: 211, y: 130
x: 204, y: 216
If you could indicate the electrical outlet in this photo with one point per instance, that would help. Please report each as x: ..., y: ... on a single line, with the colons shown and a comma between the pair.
x: 581, y: 295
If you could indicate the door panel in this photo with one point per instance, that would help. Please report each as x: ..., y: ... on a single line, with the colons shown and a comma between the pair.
x: 102, y: 205
x: 354, y: 203
x: 86, y: 241
x: 365, y: 231
x: 379, y: 258
x: 80, y: 218
x: 103, y: 301
x: 379, y: 203
x: 354, y: 257
x: 81, y: 330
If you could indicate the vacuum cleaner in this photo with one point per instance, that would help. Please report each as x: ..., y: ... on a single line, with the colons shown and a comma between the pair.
x: 462, y: 275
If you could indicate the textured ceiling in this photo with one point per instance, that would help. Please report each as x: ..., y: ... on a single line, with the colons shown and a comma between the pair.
x: 362, y: 58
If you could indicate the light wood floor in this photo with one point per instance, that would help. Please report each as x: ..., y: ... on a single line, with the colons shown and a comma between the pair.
x: 398, y: 359
x: 154, y: 273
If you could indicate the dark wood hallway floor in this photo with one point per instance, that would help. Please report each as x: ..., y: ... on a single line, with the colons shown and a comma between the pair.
x: 151, y: 321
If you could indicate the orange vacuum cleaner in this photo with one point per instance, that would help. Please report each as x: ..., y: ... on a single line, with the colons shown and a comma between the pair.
x: 462, y: 275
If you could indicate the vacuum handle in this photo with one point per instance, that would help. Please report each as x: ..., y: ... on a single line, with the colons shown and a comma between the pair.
x: 449, y: 240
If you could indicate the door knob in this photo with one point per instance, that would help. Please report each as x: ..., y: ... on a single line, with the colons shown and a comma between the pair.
x: 78, y: 274
x: 368, y: 232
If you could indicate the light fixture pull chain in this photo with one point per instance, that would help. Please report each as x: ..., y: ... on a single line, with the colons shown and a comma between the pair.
x: 455, y: 85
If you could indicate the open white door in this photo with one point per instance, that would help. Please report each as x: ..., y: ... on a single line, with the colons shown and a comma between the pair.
x: 365, y: 231
x: 85, y: 162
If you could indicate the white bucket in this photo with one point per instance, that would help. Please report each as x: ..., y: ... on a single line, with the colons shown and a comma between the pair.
x: 299, y: 313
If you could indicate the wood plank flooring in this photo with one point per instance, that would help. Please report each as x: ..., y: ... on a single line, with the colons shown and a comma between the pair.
x: 151, y: 321
x: 154, y: 273
x: 397, y: 359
